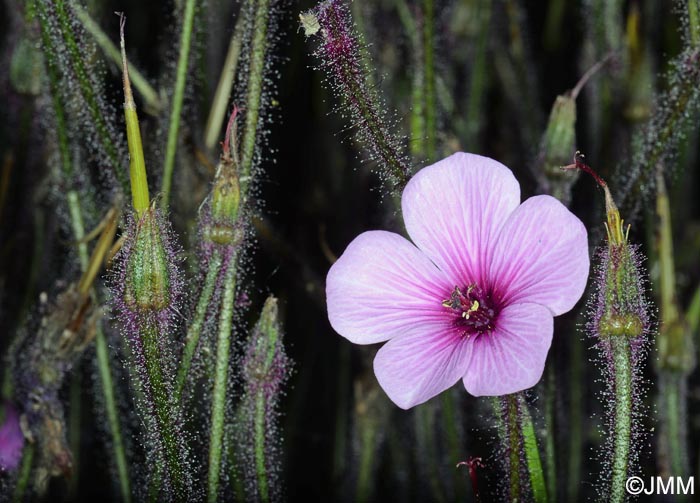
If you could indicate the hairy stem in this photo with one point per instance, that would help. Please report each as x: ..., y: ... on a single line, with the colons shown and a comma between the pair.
x: 162, y: 407
x: 218, y: 403
x: 256, y: 76
x: 77, y: 222
x: 84, y: 82
x: 195, y: 330
x: 178, y: 98
x: 260, y: 465
x: 622, y: 422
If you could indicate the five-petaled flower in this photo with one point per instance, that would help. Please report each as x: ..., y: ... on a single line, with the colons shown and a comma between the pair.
x: 475, y: 298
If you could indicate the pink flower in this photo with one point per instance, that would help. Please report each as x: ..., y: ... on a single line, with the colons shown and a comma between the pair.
x: 475, y: 298
x: 11, y: 440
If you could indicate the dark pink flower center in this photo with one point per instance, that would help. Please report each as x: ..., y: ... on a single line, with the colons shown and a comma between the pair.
x: 474, y: 310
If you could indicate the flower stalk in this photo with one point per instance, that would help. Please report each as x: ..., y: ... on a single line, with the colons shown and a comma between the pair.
x: 524, y: 467
x: 619, y: 321
x: 675, y: 343
x: 183, y: 61
x: 57, y: 12
x: 146, y: 294
x: 265, y: 369
x: 339, y: 53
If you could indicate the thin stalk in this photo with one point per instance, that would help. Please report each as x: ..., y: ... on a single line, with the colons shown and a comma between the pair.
x: 162, y: 407
x: 513, y: 443
x: 693, y: 312
x: 25, y: 471
x: 260, y: 466
x: 367, y: 444
x: 622, y: 422
x: 550, y: 440
x: 77, y: 222
x: 105, y: 373
x: 418, y: 133
x: 84, y: 83
x: 427, y: 446
x: 218, y: 403
x: 694, y: 22
x: 258, y: 49
x: 576, y: 412
x: 450, y: 421
x: 148, y: 93
x: 429, y: 62
x: 532, y: 453
x: 478, y: 78
x: 176, y: 104
x: 223, y: 88
x: 672, y: 395
x: 195, y: 330
x: 517, y: 433
x: 674, y: 343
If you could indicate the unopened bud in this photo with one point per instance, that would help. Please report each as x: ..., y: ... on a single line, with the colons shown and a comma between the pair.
x: 147, y: 286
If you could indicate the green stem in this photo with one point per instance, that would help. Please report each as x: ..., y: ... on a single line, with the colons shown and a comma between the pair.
x: 450, y: 422
x: 692, y: 314
x: 576, y: 412
x: 517, y: 432
x: 25, y: 471
x: 622, y: 423
x: 671, y: 392
x: 430, y: 96
x: 218, y: 403
x: 427, y: 447
x: 110, y: 402
x: 254, y: 90
x: 77, y: 222
x: 478, y: 78
x: 178, y: 97
x: 550, y: 440
x: 513, y: 443
x: 260, y: 466
x: 367, y: 441
x: 532, y: 453
x: 84, y: 83
x: 149, y: 95
x: 418, y: 128
x: 223, y: 88
x: 694, y: 21
x: 195, y: 330
x: 162, y: 407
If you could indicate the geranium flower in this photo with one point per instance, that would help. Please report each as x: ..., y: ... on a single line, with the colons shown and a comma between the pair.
x: 474, y: 296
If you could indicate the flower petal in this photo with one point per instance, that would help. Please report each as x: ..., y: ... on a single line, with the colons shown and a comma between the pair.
x: 511, y: 358
x: 454, y: 209
x: 415, y: 368
x: 381, y: 287
x: 541, y: 256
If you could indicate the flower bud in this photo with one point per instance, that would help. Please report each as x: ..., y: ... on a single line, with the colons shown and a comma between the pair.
x: 147, y: 286
x: 265, y: 369
x: 265, y: 363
